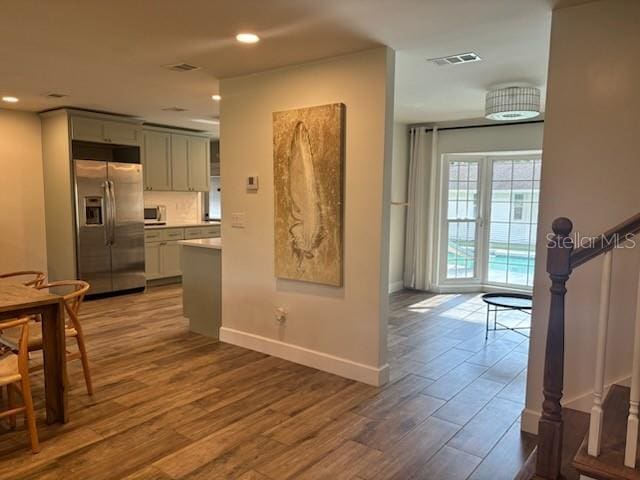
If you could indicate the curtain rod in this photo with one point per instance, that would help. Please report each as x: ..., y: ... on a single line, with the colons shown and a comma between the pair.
x: 464, y: 127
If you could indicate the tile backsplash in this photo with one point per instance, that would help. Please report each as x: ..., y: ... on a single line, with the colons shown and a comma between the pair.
x: 181, y: 206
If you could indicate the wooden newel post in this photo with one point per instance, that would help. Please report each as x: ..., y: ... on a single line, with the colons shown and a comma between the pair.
x: 550, y: 426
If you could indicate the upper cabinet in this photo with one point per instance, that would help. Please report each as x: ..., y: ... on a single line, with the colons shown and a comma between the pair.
x: 157, y: 160
x: 180, y: 162
x: 105, y: 131
x: 176, y: 161
x: 198, y: 164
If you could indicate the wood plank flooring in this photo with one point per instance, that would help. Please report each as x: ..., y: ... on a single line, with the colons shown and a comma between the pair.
x: 170, y: 404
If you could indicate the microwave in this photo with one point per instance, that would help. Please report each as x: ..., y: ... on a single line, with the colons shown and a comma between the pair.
x: 155, y: 215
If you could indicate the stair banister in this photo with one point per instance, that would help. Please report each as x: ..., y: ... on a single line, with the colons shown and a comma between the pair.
x: 631, y: 445
x: 549, y: 456
x: 595, y: 422
x: 562, y: 259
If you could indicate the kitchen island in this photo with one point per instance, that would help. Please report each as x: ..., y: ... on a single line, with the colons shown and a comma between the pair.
x: 201, y: 284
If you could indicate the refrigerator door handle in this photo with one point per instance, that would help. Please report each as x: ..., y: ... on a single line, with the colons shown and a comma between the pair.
x: 112, y: 212
x: 107, y: 212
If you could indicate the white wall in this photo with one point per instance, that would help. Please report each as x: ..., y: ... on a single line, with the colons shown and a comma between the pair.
x: 590, y: 172
x: 399, y: 171
x: 342, y: 330
x: 182, y: 207
x: 22, y: 241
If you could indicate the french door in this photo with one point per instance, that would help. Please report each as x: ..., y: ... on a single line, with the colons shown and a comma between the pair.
x: 490, y: 214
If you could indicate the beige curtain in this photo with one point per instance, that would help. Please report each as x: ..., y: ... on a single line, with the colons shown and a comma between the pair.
x: 417, y: 268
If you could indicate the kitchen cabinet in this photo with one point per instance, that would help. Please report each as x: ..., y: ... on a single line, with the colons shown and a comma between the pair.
x: 170, y: 256
x: 162, y: 250
x: 198, y: 164
x: 105, y: 131
x: 152, y: 260
x: 157, y: 161
x: 180, y: 163
x: 176, y: 161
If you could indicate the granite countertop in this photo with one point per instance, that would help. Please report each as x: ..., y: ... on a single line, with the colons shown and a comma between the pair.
x: 212, y: 243
x: 183, y: 225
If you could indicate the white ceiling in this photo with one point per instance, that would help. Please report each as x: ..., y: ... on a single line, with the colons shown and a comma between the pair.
x: 109, y: 55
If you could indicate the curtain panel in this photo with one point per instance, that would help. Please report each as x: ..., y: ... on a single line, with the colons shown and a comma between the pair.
x: 417, y: 260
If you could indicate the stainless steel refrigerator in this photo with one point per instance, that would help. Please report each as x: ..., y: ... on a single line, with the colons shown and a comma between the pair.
x: 110, y: 225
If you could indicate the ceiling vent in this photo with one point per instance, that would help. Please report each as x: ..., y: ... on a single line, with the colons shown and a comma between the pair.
x: 458, y: 59
x: 182, y: 67
x: 174, y: 109
x: 56, y: 95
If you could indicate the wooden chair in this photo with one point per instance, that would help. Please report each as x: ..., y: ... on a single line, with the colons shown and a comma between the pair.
x: 14, y: 373
x: 35, y: 278
x: 73, y: 327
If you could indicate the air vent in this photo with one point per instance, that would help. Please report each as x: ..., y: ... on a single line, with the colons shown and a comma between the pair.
x: 174, y: 109
x: 182, y: 67
x: 456, y: 59
x: 56, y: 95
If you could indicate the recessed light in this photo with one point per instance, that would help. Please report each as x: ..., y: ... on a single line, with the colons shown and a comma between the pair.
x: 247, y: 38
x: 10, y: 99
x: 216, y: 98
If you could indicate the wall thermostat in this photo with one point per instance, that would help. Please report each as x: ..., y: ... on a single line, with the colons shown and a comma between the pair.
x: 252, y: 183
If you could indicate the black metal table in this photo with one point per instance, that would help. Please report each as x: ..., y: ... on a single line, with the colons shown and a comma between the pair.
x: 498, y: 302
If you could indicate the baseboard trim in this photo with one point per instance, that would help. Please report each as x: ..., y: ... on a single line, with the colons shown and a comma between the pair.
x: 396, y: 286
x: 529, y: 421
x: 310, y: 358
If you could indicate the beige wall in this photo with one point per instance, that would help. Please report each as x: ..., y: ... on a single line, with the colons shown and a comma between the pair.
x: 336, y: 329
x: 399, y: 171
x: 590, y: 174
x: 22, y: 238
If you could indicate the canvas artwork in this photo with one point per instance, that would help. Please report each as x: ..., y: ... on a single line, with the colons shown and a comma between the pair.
x: 308, y: 156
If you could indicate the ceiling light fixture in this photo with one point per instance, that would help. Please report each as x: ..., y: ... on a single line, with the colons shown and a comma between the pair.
x: 247, y: 38
x: 10, y: 99
x: 216, y: 98
x: 512, y: 103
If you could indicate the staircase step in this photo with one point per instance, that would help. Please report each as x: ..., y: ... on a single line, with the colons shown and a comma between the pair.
x: 610, y: 464
x: 576, y: 424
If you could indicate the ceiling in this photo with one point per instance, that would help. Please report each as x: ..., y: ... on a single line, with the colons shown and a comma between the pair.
x: 110, y: 55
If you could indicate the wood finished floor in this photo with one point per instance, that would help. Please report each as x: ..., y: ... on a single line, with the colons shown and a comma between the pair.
x: 174, y: 405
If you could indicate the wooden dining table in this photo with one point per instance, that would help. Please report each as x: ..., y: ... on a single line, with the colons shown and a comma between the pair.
x: 18, y: 300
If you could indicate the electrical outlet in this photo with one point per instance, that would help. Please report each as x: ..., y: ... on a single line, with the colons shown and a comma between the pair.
x: 281, y: 315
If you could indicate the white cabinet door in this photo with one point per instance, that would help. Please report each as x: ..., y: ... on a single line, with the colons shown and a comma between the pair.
x: 198, y: 164
x: 179, y: 163
x: 171, y: 259
x: 152, y: 261
x: 122, y: 133
x: 87, y: 129
x: 157, y: 161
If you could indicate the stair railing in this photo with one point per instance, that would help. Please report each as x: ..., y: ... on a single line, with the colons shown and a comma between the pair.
x: 562, y: 259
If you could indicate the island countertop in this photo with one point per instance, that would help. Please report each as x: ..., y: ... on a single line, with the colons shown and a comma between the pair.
x: 208, y: 223
x: 214, y: 243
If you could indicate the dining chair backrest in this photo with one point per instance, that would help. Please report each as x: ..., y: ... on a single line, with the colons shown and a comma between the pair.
x: 72, y: 300
x: 23, y: 342
x: 34, y: 277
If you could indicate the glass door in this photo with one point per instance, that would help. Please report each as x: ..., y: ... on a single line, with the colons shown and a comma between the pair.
x: 462, y: 219
x: 515, y: 193
x: 489, y: 219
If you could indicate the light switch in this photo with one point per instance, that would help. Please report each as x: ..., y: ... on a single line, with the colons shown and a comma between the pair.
x: 252, y: 183
x: 237, y: 220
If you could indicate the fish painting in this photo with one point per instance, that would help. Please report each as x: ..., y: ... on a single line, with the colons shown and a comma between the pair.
x: 308, y: 187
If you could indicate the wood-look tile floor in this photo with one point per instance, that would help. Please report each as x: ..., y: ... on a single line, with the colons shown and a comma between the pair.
x: 174, y: 405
